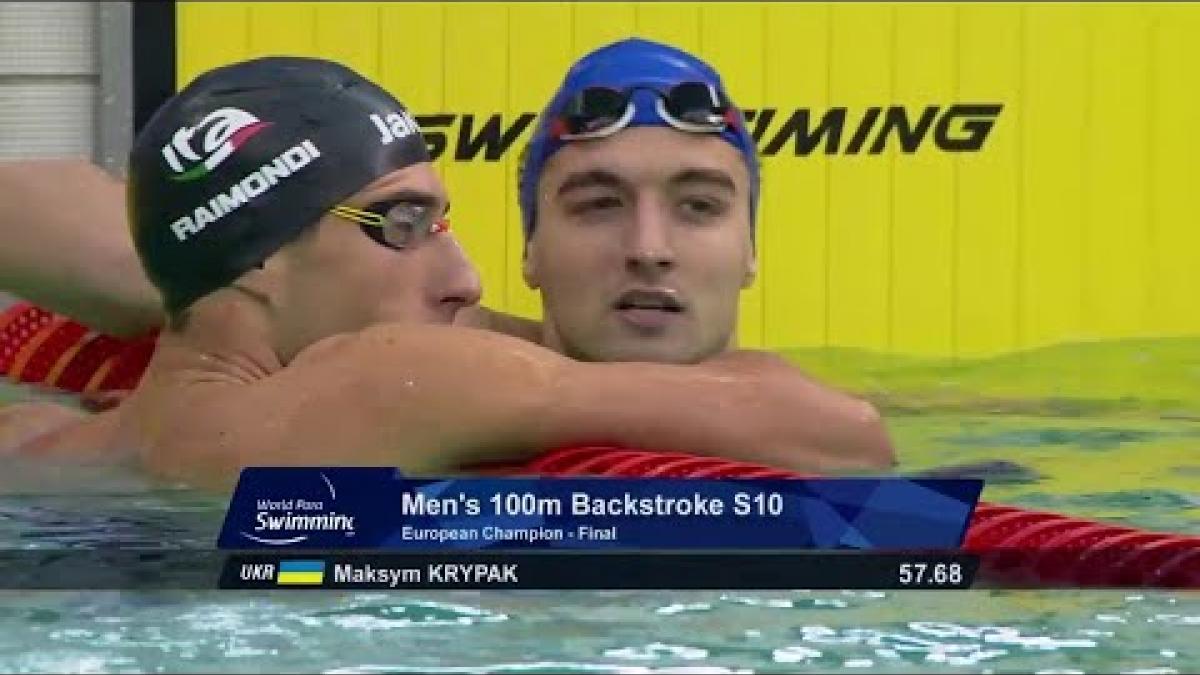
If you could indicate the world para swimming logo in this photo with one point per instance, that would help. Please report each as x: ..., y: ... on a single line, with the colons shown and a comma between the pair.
x: 282, y: 522
x: 224, y: 131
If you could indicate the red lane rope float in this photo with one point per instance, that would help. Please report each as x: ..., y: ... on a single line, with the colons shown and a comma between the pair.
x: 1016, y: 546
x: 130, y: 364
x: 87, y: 362
x: 20, y: 325
x: 40, y: 347
x: 43, y: 353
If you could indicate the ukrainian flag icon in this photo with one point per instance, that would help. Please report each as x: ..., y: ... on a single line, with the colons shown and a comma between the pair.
x: 301, y: 573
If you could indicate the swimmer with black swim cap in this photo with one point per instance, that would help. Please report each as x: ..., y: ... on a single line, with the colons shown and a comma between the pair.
x: 254, y: 157
x: 286, y: 210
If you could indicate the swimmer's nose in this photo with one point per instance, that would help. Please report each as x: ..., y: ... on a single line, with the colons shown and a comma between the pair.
x: 648, y: 250
x: 462, y: 287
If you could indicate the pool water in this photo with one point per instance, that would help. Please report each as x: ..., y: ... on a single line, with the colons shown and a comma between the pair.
x: 1108, y: 431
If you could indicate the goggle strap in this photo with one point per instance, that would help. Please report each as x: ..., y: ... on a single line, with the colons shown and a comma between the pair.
x: 359, y: 216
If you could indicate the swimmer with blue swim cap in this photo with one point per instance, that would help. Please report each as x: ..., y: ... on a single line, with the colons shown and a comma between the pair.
x: 638, y: 193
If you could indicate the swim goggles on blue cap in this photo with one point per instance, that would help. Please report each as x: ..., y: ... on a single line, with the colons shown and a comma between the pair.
x: 597, y: 111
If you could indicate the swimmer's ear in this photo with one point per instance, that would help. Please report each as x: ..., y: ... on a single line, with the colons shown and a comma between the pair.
x: 751, y: 267
x: 256, y: 283
x: 529, y: 267
x: 253, y: 293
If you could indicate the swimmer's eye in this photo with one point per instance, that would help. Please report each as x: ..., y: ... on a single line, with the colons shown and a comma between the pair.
x: 396, y: 224
x: 595, y: 205
x: 701, y: 208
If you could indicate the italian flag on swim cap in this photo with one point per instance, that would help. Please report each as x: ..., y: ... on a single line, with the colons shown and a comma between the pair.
x: 236, y: 140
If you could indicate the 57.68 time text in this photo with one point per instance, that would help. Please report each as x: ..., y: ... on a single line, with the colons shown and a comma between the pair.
x: 930, y: 574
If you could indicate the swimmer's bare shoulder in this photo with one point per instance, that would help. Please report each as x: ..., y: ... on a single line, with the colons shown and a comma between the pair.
x: 425, y: 398
x: 433, y: 399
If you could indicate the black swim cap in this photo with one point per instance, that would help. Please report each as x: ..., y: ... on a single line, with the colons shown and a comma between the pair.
x: 246, y: 157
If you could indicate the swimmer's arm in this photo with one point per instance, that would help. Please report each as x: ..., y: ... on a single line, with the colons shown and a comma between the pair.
x: 67, y: 246
x: 838, y: 421
x: 437, y: 399
x: 848, y: 422
x: 478, y: 316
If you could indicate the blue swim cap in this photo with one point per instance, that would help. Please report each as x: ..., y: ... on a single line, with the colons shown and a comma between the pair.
x: 623, y: 64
